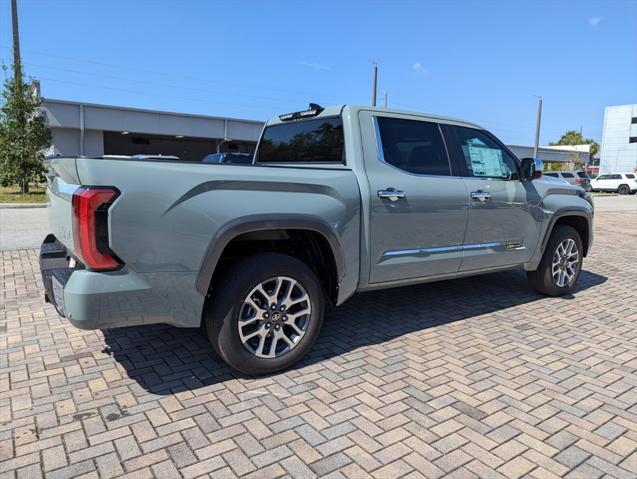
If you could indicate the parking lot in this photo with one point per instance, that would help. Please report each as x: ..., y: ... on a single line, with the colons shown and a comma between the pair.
x: 478, y: 377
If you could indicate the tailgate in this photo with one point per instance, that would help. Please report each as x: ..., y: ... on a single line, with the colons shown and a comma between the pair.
x: 62, y: 180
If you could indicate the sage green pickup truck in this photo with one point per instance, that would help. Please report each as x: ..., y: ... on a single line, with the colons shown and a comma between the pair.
x: 337, y: 200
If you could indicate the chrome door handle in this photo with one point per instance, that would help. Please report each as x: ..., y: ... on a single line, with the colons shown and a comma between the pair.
x: 391, y: 194
x: 480, y: 195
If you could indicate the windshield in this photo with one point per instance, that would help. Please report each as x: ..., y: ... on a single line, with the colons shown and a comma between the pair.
x: 581, y: 174
x: 306, y: 141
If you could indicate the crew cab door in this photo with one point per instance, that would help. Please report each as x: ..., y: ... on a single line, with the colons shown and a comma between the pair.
x: 505, y: 215
x: 418, y: 211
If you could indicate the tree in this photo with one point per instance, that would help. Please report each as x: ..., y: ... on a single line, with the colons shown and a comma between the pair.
x: 573, y: 137
x: 24, y: 134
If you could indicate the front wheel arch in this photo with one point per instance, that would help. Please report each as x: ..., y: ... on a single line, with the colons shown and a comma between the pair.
x: 579, y: 220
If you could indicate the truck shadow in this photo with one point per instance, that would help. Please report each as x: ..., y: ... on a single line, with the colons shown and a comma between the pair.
x: 166, y: 360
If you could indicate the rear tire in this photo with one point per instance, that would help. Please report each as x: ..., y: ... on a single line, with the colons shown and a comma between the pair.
x: 561, y: 263
x: 623, y: 190
x: 257, y: 302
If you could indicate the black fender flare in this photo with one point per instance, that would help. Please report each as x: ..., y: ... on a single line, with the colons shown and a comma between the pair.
x: 253, y: 223
x: 562, y: 213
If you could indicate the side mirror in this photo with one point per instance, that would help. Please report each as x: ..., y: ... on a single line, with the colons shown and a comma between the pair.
x: 531, y: 168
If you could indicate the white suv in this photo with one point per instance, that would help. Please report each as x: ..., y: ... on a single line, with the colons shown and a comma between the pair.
x: 622, y: 183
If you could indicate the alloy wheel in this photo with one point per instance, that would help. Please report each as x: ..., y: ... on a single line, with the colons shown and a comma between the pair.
x: 565, y: 263
x: 274, y: 317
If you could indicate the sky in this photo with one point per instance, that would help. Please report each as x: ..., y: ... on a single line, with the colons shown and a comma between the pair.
x: 481, y: 61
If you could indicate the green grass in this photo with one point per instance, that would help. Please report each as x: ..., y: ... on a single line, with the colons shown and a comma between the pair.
x: 12, y: 194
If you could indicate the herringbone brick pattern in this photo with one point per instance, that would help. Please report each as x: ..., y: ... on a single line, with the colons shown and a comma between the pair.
x: 471, y: 378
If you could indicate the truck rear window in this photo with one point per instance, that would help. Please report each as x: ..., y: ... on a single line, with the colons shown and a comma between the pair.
x: 305, y: 141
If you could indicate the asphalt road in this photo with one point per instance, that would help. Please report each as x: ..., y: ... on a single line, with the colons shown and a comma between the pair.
x: 616, y: 203
x: 24, y: 228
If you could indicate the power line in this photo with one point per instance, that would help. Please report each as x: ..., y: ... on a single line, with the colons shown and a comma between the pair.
x: 508, y: 127
x: 139, y: 92
x: 148, y: 82
x: 185, y: 77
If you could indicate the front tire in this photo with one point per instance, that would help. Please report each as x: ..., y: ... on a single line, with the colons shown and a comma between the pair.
x: 266, y: 313
x: 561, y: 263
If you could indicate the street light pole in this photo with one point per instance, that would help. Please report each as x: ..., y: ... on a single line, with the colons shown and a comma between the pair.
x: 17, y: 64
x: 374, y: 82
x: 537, y: 126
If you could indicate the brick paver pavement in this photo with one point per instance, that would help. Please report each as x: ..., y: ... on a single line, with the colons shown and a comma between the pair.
x: 478, y: 377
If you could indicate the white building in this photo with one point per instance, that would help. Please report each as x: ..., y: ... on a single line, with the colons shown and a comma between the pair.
x: 619, y: 140
x: 96, y: 130
x: 554, y: 154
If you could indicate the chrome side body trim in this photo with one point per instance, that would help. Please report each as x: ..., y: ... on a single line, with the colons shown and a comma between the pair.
x: 446, y: 249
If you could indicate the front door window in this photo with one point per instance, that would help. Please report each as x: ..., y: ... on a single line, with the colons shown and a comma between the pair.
x: 483, y: 157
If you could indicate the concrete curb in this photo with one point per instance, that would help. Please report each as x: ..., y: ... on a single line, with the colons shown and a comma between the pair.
x: 6, y: 206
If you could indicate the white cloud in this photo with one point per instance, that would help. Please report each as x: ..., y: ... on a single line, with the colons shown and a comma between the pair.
x: 420, y: 70
x: 594, y: 21
x: 315, y: 66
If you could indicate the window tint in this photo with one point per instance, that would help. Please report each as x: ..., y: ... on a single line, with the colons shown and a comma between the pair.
x: 615, y: 177
x: 483, y: 156
x: 413, y: 146
x: 304, y: 141
x: 584, y: 175
x: 554, y: 175
x: 630, y: 176
x: 568, y: 175
x: 602, y: 177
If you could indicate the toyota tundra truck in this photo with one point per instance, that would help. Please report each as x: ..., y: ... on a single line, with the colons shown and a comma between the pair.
x: 336, y: 200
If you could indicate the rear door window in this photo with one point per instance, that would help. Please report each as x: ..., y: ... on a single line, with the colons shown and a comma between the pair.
x: 584, y: 175
x: 306, y: 141
x: 554, y: 175
x: 568, y: 175
x: 615, y: 177
x: 413, y: 146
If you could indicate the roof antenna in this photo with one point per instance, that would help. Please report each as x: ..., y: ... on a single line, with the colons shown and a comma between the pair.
x: 316, y: 106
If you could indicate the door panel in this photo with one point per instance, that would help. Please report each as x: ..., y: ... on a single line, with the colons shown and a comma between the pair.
x: 504, y: 229
x: 417, y: 221
x: 505, y: 214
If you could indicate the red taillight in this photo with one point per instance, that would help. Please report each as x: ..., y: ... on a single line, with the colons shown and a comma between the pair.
x: 90, y: 226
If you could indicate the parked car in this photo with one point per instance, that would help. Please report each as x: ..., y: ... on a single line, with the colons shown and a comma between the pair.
x: 622, y: 183
x: 235, y: 158
x: 579, y: 178
x: 339, y: 200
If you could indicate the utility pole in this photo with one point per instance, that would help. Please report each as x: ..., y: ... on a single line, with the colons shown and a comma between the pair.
x: 537, y: 126
x: 374, y: 82
x: 17, y: 64
x: 385, y: 98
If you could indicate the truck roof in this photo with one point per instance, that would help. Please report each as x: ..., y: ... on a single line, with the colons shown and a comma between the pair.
x: 337, y: 110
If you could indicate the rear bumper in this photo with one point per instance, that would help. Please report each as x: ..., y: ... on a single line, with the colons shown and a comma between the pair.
x: 54, y: 266
x: 102, y: 300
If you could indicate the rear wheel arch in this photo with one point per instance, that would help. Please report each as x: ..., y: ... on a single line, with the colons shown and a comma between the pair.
x: 623, y: 189
x: 305, y: 237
